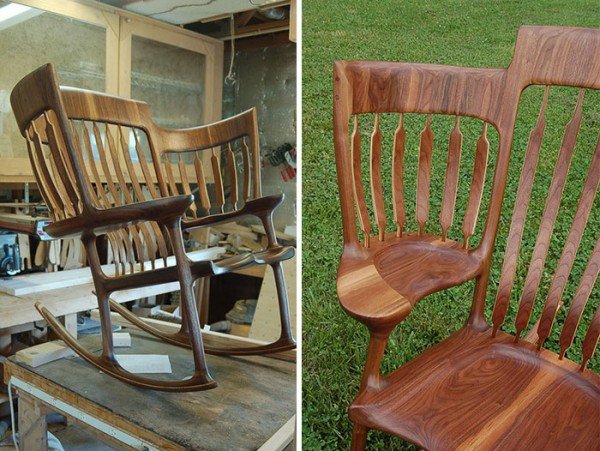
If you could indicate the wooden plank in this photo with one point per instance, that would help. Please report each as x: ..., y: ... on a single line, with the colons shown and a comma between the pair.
x: 50, y: 351
x: 282, y: 437
x: 38, y: 282
x: 33, y: 429
x: 280, y: 235
x: 16, y: 311
x: 121, y: 340
x: 145, y: 363
x: 265, y: 325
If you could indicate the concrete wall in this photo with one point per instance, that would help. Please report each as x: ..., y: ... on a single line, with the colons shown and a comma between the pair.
x: 266, y: 79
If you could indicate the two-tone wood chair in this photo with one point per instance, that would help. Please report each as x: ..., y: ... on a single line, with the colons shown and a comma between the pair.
x: 482, y: 388
x: 104, y: 168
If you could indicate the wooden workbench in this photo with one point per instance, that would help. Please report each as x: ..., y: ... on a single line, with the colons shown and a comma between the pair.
x: 253, y: 405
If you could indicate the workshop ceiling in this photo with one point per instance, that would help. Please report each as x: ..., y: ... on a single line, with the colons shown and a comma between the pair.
x: 181, y: 12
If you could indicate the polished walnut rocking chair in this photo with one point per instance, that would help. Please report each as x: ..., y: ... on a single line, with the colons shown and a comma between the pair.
x: 104, y: 168
x: 482, y: 388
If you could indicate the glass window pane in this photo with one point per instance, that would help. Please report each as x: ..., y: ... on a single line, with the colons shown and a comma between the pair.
x: 170, y: 79
x: 31, y: 38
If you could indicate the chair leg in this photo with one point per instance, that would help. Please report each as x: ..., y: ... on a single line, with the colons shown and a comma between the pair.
x: 359, y: 437
x: 187, y: 301
x: 284, y: 306
x: 371, y: 379
x: 103, y: 300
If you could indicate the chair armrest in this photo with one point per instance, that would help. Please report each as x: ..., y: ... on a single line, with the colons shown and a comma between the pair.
x: 100, y: 222
x: 261, y: 207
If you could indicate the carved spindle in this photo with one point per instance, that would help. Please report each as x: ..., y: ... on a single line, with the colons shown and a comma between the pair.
x: 116, y: 161
x: 231, y: 169
x: 66, y: 182
x: 476, y: 191
x: 424, y: 175
x: 540, y: 250
x: 124, y: 190
x: 570, y: 250
x: 104, y: 164
x: 171, y: 176
x: 116, y: 252
x: 591, y: 339
x: 376, y: 182
x: 398, y: 176
x: 147, y: 229
x: 42, y: 183
x: 246, y: 160
x: 511, y: 254
x: 121, y: 237
x: 144, y: 165
x: 586, y: 285
x: 87, y: 146
x: 204, y: 198
x: 55, y: 201
x: 95, y: 197
x: 451, y: 185
x: 357, y: 184
x: 185, y: 183
x: 216, y: 168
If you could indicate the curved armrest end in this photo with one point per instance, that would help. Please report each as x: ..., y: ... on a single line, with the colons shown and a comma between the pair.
x: 365, y: 296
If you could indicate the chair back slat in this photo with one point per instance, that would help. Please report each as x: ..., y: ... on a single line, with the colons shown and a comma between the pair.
x: 246, y: 164
x: 149, y: 175
x: 571, y: 247
x: 215, y: 162
x: 172, y: 185
x: 185, y: 183
x: 580, y: 299
x: 424, y: 175
x: 451, y: 183
x: 540, y: 250
x: 376, y: 181
x: 590, y: 340
x: 477, y: 185
x: 357, y: 183
x: 47, y: 187
x: 204, y: 197
x: 102, y: 153
x: 398, y: 176
x: 62, y: 165
x: 232, y: 173
x: 515, y: 234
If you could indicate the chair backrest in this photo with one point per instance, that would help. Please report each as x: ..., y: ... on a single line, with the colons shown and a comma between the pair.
x: 548, y: 56
x: 91, y: 150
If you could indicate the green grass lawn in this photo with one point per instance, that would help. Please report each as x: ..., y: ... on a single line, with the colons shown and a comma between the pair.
x: 469, y: 33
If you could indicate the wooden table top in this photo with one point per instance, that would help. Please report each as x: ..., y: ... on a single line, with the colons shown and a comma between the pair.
x: 256, y: 396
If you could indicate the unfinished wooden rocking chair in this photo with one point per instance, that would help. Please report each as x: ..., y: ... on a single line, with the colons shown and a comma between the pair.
x: 104, y: 168
x: 482, y: 388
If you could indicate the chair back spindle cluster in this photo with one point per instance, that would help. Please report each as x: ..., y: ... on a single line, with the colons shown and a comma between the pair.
x: 125, y: 158
x: 423, y: 200
x: 492, y: 96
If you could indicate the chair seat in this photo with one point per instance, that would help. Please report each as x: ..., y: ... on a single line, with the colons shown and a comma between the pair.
x: 381, y: 285
x: 473, y: 391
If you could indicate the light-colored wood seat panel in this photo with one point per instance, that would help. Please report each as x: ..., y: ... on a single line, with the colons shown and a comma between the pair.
x: 448, y: 264
x: 473, y: 391
x: 381, y: 285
